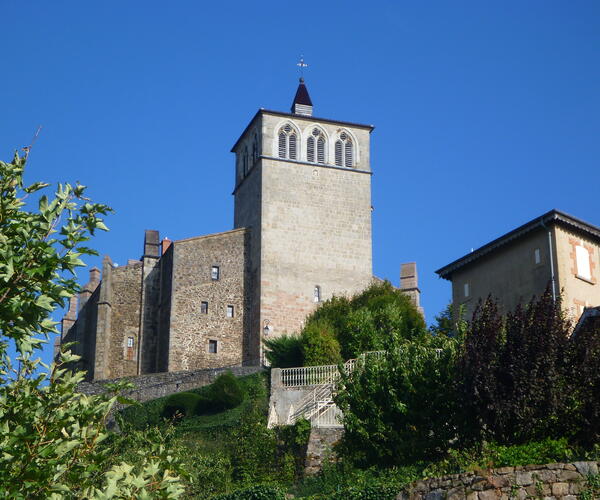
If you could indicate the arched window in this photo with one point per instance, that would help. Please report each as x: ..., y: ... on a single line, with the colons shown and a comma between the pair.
x: 344, y: 151
x: 315, y: 147
x: 288, y: 141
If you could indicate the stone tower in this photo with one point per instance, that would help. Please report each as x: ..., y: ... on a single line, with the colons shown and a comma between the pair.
x: 303, y: 187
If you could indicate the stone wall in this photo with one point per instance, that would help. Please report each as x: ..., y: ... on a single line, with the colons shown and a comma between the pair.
x: 320, y: 448
x: 547, y: 482
x: 157, y: 385
x: 192, y: 328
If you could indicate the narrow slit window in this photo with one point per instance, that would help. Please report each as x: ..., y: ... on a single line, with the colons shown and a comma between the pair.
x: 130, y: 343
x: 317, y: 294
x: 230, y: 311
x: 536, y: 256
x: 204, y: 307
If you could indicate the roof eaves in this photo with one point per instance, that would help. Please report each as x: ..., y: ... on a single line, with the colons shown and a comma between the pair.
x: 553, y: 216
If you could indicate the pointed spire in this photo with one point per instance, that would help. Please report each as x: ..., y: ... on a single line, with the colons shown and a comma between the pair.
x: 302, y: 104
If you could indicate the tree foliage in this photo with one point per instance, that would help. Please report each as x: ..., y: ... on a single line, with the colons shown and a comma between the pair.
x: 517, y: 372
x: 51, y: 437
x: 401, y: 407
x: 343, y: 328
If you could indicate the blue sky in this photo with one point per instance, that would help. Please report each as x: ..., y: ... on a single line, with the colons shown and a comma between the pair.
x: 487, y: 114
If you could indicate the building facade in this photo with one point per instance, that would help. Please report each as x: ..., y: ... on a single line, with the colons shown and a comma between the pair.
x: 555, y: 250
x: 302, y: 233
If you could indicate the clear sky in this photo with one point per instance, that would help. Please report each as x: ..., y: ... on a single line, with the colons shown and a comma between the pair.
x: 487, y: 114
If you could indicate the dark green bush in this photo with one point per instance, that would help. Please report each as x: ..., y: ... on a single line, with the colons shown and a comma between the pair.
x: 516, y: 373
x: 182, y: 403
x: 319, y: 344
x: 284, y: 351
x: 223, y: 394
x: 260, y: 492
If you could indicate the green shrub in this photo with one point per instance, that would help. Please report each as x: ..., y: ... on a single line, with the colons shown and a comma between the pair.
x: 284, y: 351
x: 224, y: 393
x: 319, y: 344
x: 183, y: 403
x: 401, y: 407
x: 260, y: 492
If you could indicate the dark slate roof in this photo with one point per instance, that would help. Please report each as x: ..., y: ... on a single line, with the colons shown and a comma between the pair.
x: 302, y: 96
x: 549, y: 218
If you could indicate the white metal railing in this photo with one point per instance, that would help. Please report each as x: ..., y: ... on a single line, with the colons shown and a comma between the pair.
x: 317, y: 406
x: 318, y: 375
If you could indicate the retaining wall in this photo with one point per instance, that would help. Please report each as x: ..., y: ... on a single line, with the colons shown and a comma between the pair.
x: 547, y: 482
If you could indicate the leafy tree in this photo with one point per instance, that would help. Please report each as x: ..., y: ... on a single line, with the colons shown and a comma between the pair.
x: 401, y: 407
x: 517, y: 372
x: 50, y: 435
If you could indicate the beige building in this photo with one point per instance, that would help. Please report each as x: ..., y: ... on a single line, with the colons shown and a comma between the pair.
x: 302, y: 233
x: 555, y: 250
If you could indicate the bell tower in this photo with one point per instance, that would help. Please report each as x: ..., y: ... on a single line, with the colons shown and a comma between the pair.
x: 303, y: 187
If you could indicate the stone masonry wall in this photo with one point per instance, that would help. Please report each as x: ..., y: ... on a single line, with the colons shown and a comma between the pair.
x: 125, y: 319
x: 547, y: 482
x: 157, y: 385
x: 192, y: 329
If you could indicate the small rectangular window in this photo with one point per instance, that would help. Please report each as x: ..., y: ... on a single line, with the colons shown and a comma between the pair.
x: 230, y: 311
x: 204, y: 307
x: 212, y: 346
x: 467, y: 291
x: 317, y: 294
x: 583, y: 262
x: 214, y: 272
x: 536, y: 255
x: 129, y: 348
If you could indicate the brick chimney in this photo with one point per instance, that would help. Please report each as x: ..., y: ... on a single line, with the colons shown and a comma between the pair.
x: 165, y: 244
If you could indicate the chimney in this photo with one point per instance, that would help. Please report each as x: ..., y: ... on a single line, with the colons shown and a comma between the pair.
x: 69, y: 319
x: 409, y: 284
x: 151, y: 244
x: 90, y: 287
x: 165, y: 244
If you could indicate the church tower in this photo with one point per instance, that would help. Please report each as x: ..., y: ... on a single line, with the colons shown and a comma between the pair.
x: 303, y: 187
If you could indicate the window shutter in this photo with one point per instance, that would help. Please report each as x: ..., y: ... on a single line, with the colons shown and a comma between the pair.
x: 282, y: 148
x: 293, y: 146
x: 338, y: 153
x: 321, y: 150
x: 310, y: 149
x: 349, y: 154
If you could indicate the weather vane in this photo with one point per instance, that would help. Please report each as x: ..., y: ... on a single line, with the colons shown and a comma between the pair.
x: 302, y: 65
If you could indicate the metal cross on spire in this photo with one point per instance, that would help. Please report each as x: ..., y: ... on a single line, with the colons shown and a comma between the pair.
x: 302, y: 65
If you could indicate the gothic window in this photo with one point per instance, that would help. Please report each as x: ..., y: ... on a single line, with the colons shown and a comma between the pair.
x: 315, y: 147
x: 344, y: 151
x: 288, y: 141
